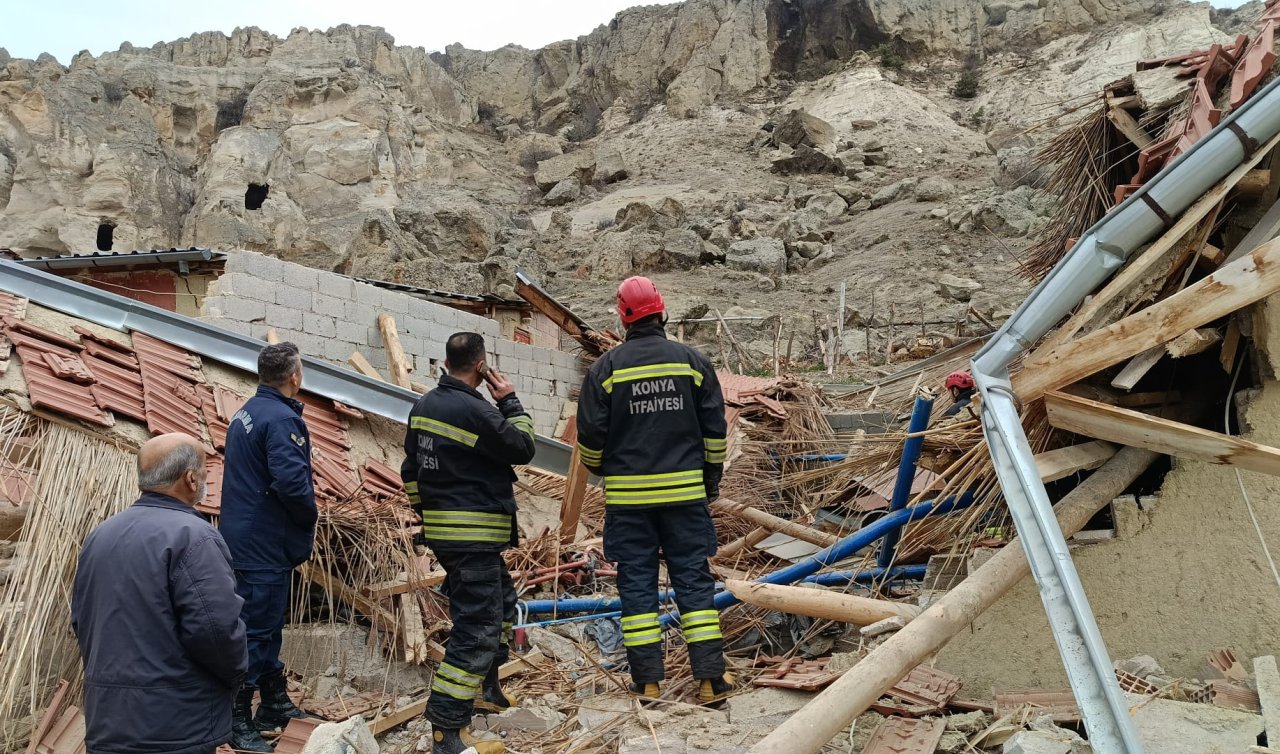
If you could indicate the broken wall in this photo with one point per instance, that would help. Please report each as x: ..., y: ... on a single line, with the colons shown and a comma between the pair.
x: 1179, y: 581
x: 329, y: 316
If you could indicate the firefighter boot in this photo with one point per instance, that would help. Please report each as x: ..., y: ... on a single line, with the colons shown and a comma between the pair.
x: 455, y: 741
x: 493, y: 698
x: 244, y: 734
x: 646, y: 692
x: 713, y: 691
x: 276, y: 708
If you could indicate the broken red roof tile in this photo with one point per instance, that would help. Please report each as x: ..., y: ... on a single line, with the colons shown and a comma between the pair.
x: 171, y: 358
x: 332, y: 476
x: 381, y: 477
x: 68, y: 368
x: 89, y: 336
x: 12, y: 307
x: 1060, y: 704
x: 106, y: 353
x: 795, y: 673
x: 227, y: 401
x: 46, y: 390
x: 212, y: 503
x: 48, y: 336
x: 347, y: 411
x: 924, y: 691
x: 294, y: 738
x: 899, y: 735
x: 16, y: 483
x: 115, y: 388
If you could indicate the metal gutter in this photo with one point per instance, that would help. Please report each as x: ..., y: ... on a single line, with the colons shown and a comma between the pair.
x: 120, y: 259
x: 1099, y: 253
x: 230, y: 348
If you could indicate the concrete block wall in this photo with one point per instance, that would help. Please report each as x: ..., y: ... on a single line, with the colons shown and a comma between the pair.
x: 329, y: 316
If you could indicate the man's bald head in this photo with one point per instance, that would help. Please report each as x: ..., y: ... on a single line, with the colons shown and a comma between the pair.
x: 173, y: 465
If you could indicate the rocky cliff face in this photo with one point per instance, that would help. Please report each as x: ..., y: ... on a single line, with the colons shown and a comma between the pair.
x: 345, y: 151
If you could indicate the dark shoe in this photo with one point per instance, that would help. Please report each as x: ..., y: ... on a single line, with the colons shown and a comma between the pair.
x: 494, y: 699
x: 245, y: 735
x: 713, y: 691
x: 275, y: 709
x: 646, y: 691
x: 454, y: 741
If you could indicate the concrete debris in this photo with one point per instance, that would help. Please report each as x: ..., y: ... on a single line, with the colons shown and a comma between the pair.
x: 1035, y: 742
x: 351, y: 737
x: 1267, y: 678
x: 1142, y: 666
x: 1171, y: 727
x: 528, y: 718
x: 968, y: 724
x: 555, y: 645
x: 953, y: 743
x: 766, y: 704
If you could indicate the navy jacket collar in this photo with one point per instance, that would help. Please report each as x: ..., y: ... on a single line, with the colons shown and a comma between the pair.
x: 647, y: 331
x: 453, y: 383
x: 266, y: 391
x: 157, y: 500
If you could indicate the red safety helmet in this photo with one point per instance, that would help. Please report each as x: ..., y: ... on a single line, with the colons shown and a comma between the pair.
x: 638, y: 298
x: 961, y: 380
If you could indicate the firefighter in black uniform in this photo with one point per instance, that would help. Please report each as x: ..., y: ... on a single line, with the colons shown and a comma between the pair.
x: 651, y: 423
x: 459, y: 451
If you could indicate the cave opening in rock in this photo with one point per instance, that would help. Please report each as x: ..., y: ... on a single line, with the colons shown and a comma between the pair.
x: 255, y: 195
x: 106, y: 236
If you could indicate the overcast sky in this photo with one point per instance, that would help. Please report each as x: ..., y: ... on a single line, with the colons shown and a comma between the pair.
x: 64, y: 27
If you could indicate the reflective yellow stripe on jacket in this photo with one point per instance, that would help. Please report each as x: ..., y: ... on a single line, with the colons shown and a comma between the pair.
x: 441, y: 429
x: 649, y: 371
x: 411, y: 489
x: 715, y: 449
x: 523, y: 423
x: 654, y: 489
x: 466, y: 526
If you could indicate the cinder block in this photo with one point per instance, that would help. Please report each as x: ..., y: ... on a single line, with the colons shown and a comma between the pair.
x: 415, y: 326
x: 255, y: 288
x: 311, y: 345
x: 338, y: 350
x: 441, y: 334
x: 246, y: 310
x: 227, y: 323
x: 524, y: 353
x: 365, y: 314
x: 257, y: 265
x: 338, y: 286
x: 327, y: 305
x: 318, y: 325
x: 282, y: 317
x: 302, y: 277
x: 259, y: 331
x: 545, y: 371
x: 353, y: 332
x: 294, y: 298
x: 378, y: 358
x: 396, y: 303
x: 368, y: 294
x: 503, y: 347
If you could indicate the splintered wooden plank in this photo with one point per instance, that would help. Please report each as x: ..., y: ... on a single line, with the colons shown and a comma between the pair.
x: 1063, y: 462
x: 358, y: 362
x: 1233, y: 286
x: 1193, y: 342
x: 1127, y: 125
x: 398, y: 362
x: 1138, y: 430
x: 1137, y: 368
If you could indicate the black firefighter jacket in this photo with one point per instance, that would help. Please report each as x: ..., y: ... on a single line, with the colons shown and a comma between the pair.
x: 155, y: 610
x: 459, y: 450
x: 651, y: 422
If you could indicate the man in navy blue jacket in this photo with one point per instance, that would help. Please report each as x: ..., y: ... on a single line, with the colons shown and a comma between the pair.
x: 155, y: 610
x: 268, y: 520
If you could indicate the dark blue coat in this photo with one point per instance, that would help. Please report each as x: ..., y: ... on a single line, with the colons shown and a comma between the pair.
x: 268, y: 506
x: 155, y: 610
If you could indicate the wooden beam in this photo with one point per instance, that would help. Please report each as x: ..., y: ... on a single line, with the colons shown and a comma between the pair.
x: 358, y: 362
x: 1127, y: 125
x: 1138, y: 269
x: 1230, y: 346
x: 575, y: 491
x: 1138, y: 430
x: 413, y: 634
x: 378, y: 615
x: 1155, y: 398
x: 398, y: 362
x: 1212, y: 255
x: 820, y: 603
x: 1255, y: 183
x: 1193, y: 342
x: 534, y: 660
x: 1262, y: 231
x: 1234, y: 286
x: 404, y: 585
x: 1137, y: 368
x: 273, y: 337
x: 399, y: 717
x: 776, y: 524
x: 1063, y: 462
x: 750, y: 539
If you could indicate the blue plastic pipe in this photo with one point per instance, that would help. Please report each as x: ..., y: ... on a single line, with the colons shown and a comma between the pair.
x: 846, y: 547
x: 585, y: 604
x: 837, y: 578
x: 906, y: 473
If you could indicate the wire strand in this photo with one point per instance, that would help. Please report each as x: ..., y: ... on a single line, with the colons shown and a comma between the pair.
x: 1248, y: 504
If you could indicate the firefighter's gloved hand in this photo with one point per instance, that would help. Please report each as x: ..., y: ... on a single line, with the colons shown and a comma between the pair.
x: 713, y: 492
x: 419, y: 540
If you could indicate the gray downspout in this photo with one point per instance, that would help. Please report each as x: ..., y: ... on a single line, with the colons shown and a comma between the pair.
x: 1094, y: 258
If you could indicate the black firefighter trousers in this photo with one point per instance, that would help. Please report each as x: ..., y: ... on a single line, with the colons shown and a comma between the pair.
x: 482, y: 606
x: 686, y: 537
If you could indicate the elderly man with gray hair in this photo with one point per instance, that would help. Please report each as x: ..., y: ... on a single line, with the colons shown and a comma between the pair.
x: 155, y: 610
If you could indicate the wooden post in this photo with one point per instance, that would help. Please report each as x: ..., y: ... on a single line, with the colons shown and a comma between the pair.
x: 273, y: 337
x: 397, y: 362
x: 413, y: 633
x: 791, y: 341
x: 358, y: 362
x: 840, y: 326
x: 774, y: 523
x: 819, y: 603
x: 807, y: 731
x: 750, y: 539
x: 888, y: 349
x: 777, y: 357
x: 575, y: 489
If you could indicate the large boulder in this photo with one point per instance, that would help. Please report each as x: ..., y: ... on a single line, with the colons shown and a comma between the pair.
x: 934, y: 189
x: 828, y: 205
x: 764, y: 255
x: 581, y: 164
x: 892, y: 192
x: 564, y: 192
x: 956, y: 287
x: 669, y: 214
x: 685, y: 249
x: 800, y: 128
x: 806, y: 159
x: 611, y: 166
x: 1020, y: 166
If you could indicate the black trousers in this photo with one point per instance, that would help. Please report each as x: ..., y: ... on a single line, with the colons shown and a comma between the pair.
x: 685, y: 537
x: 265, y: 610
x: 482, y: 606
